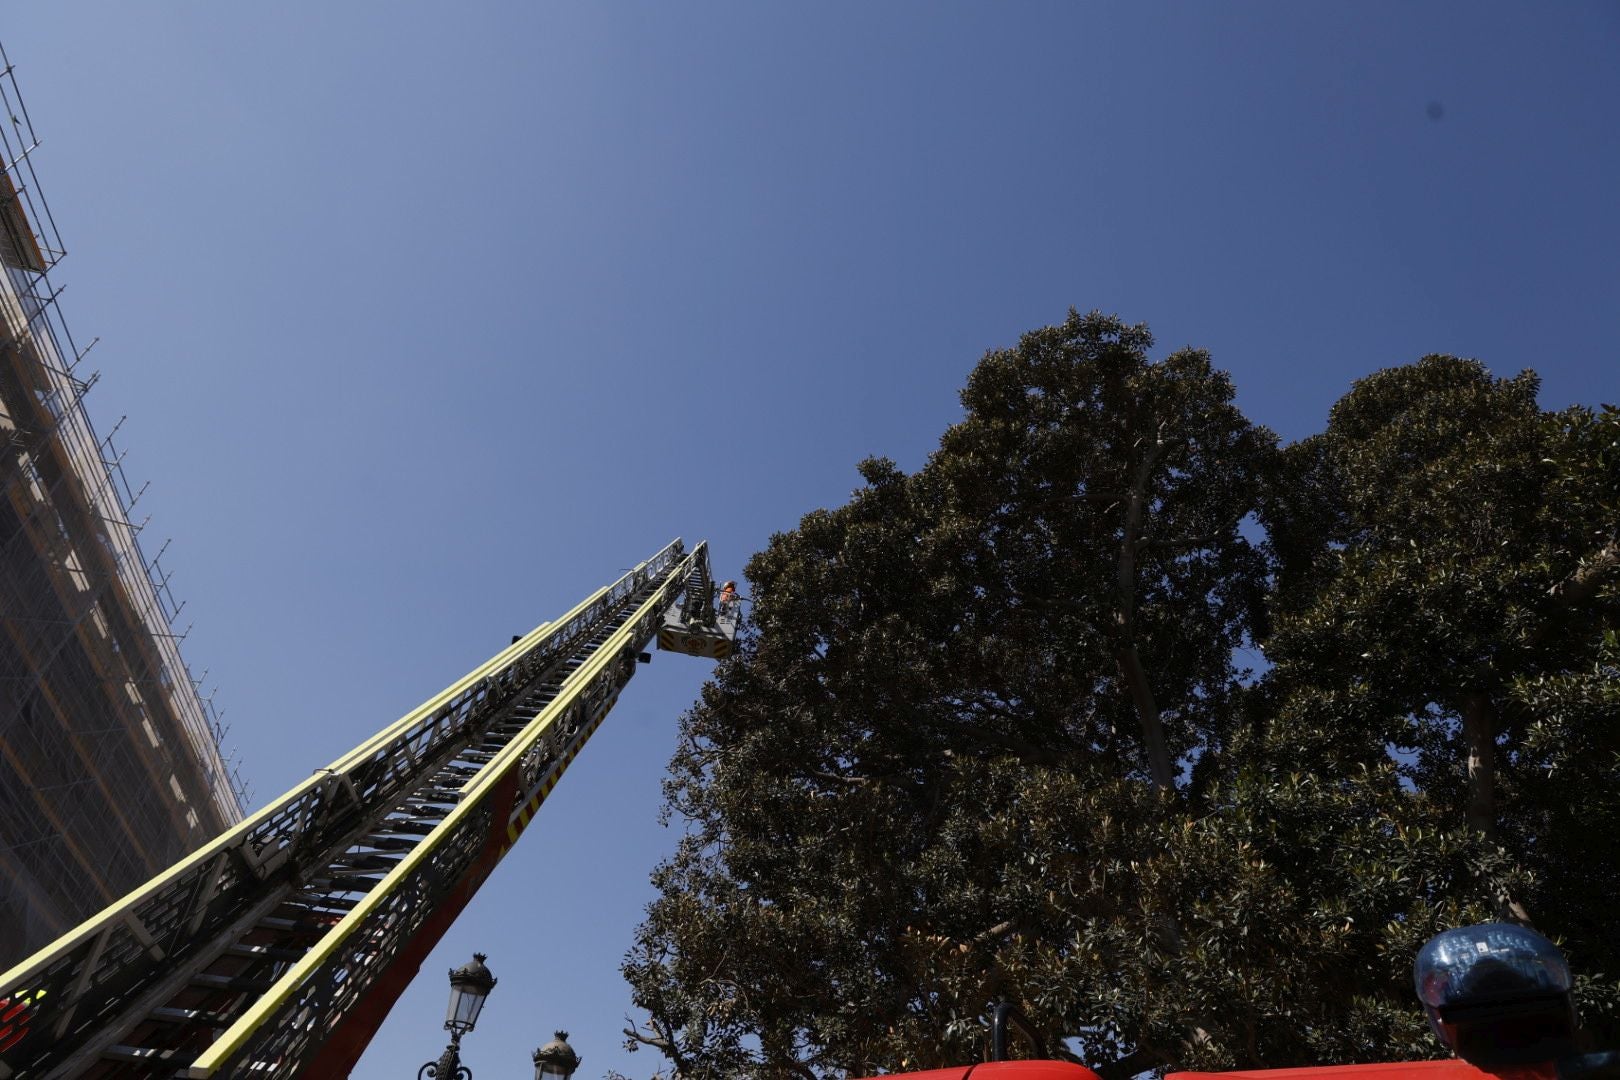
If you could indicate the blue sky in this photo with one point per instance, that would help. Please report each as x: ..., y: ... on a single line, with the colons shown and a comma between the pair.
x: 431, y: 318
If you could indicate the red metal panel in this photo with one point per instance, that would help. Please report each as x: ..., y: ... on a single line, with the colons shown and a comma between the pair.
x: 1032, y: 1070
x: 1004, y: 1070
x: 1385, y: 1070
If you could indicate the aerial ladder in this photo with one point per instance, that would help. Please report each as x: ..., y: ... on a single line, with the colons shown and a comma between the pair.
x: 278, y: 949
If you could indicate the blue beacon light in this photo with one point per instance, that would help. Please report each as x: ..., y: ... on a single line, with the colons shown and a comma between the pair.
x: 1496, y: 993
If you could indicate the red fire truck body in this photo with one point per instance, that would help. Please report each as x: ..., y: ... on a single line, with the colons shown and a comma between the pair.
x: 1389, y: 1070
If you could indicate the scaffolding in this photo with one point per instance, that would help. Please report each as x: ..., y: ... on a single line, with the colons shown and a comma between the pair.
x: 110, y: 766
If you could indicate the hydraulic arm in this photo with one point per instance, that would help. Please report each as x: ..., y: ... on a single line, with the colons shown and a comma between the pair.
x: 278, y: 949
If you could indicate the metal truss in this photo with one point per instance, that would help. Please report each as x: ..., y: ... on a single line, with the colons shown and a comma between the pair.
x: 277, y: 949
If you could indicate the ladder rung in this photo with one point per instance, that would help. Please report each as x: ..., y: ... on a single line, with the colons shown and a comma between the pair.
x: 169, y: 1015
x: 136, y: 1053
x: 411, y: 826
x: 343, y: 883
x: 284, y: 925
x: 231, y: 982
x: 365, y: 860
x: 320, y: 904
x: 265, y: 952
x: 389, y: 843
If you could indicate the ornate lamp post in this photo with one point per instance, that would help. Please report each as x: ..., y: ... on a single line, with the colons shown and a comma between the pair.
x: 556, y: 1060
x: 470, y: 984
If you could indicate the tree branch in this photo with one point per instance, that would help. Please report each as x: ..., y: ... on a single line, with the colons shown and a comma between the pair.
x: 994, y: 933
x: 1576, y: 589
x: 663, y: 1041
x: 1579, y: 586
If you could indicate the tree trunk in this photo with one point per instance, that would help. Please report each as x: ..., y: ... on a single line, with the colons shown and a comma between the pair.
x: 1158, y: 754
x: 1480, y: 725
x: 1130, y: 661
x: 1479, y: 728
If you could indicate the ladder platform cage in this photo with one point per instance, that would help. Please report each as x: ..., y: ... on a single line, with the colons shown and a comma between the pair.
x: 698, y: 626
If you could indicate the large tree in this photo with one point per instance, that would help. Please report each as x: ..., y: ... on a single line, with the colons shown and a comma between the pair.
x: 985, y: 740
x: 1449, y: 591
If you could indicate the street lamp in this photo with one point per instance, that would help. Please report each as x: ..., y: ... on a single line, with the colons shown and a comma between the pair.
x: 470, y: 984
x: 556, y: 1059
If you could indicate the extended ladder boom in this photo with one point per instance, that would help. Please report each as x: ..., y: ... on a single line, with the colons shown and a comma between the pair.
x: 278, y: 949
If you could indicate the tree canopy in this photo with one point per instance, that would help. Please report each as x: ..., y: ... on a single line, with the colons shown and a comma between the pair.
x: 990, y: 735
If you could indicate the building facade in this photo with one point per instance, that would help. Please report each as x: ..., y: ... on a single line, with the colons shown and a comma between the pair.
x: 110, y: 768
